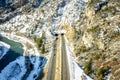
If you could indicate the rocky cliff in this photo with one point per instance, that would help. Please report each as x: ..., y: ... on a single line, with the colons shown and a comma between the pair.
x: 98, y: 39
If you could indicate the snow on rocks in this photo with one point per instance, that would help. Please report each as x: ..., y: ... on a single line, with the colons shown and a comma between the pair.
x: 3, y: 49
x: 14, y: 70
x: 72, y: 11
x: 38, y: 67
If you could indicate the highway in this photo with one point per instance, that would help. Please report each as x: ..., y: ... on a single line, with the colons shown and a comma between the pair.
x: 64, y: 63
x: 52, y: 64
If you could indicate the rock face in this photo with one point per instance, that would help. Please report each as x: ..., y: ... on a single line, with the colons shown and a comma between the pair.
x: 100, y: 36
x: 89, y: 12
x: 87, y: 40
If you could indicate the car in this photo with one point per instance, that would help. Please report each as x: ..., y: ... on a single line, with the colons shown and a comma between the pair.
x: 56, y: 34
x: 62, y: 33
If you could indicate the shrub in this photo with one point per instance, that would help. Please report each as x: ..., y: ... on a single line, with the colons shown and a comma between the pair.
x: 97, y: 57
x: 41, y: 43
x: 43, y: 49
x: 88, y: 67
x: 82, y: 49
x: 100, y: 73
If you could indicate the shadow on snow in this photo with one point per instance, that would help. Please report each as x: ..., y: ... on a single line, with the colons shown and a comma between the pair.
x: 12, y: 56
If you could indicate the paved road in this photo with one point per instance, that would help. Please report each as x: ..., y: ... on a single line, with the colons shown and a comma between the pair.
x: 52, y: 64
x: 64, y: 63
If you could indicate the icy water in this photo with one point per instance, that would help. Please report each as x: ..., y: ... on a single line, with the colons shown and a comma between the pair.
x: 15, y: 51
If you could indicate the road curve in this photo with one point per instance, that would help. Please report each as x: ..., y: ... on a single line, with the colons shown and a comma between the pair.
x: 64, y: 68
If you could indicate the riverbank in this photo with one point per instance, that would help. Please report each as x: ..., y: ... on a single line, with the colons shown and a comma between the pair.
x: 23, y: 41
x: 3, y: 49
x: 30, y: 58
